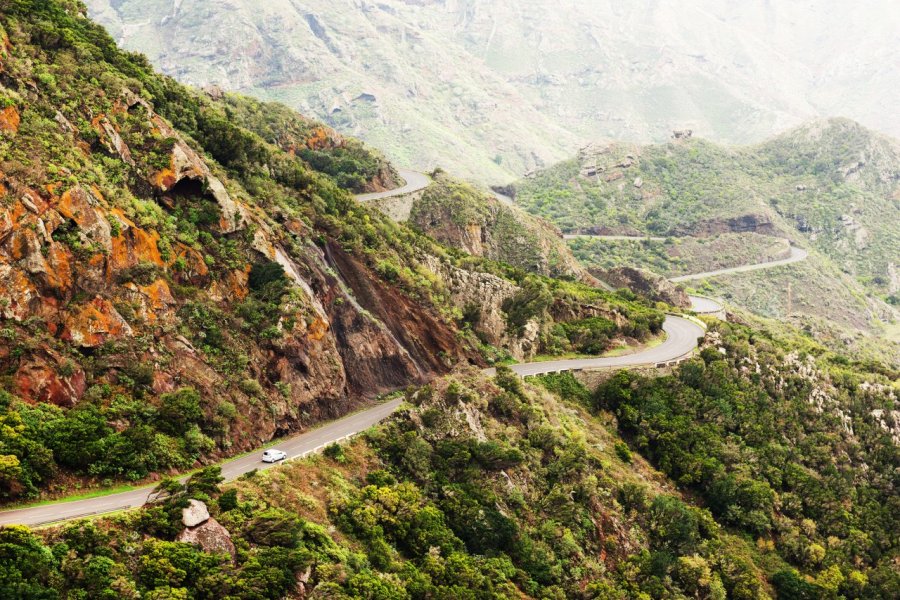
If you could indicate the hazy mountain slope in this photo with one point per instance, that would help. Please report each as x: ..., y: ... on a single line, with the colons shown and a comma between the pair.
x: 369, y: 71
x: 457, y: 83
x: 831, y: 186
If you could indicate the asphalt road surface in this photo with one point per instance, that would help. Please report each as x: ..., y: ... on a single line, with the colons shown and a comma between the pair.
x: 415, y: 181
x: 797, y: 255
x: 295, y: 447
x: 681, y: 340
x: 682, y: 335
x: 705, y: 306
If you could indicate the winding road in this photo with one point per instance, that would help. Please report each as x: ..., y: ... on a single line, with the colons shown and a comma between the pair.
x: 681, y: 340
x: 797, y: 255
x: 415, y: 181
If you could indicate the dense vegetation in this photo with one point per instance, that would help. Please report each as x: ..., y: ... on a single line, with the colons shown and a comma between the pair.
x: 353, y: 165
x: 781, y: 482
x: 788, y: 450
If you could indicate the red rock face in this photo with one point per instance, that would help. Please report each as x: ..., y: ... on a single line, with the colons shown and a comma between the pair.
x: 41, y: 380
x: 132, y: 246
x: 17, y: 294
x: 85, y: 207
x: 72, y: 273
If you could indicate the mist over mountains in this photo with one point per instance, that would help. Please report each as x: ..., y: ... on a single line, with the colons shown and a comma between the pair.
x: 493, y: 88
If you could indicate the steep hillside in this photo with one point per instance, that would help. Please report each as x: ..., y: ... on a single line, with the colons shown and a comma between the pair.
x: 491, y: 88
x: 753, y: 471
x: 460, y: 216
x: 182, y: 277
x: 832, y: 186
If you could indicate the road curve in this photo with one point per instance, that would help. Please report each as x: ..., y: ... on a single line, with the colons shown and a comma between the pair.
x: 797, y: 255
x: 415, y: 181
x: 295, y: 447
x: 681, y: 340
x: 705, y: 306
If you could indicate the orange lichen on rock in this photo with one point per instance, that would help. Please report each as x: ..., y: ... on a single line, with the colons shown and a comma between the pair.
x: 164, y: 179
x: 237, y: 282
x: 154, y: 299
x: 79, y: 204
x: 318, y: 329
x: 10, y: 119
x: 320, y: 138
x: 233, y: 287
x: 58, y: 275
x: 133, y: 245
x: 17, y: 294
x: 52, y: 188
x: 95, y: 323
x: 188, y: 264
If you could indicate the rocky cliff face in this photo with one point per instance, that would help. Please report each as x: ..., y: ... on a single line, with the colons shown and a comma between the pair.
x: 645, y: 283
x: 132, y: 264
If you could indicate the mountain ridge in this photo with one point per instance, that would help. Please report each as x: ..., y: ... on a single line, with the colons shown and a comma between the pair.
x: 526, y: 82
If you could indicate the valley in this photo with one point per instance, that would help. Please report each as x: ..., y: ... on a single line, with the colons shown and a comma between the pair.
x: 661, y: 368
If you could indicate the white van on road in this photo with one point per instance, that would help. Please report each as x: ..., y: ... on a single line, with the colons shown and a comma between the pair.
x: 272, y: 455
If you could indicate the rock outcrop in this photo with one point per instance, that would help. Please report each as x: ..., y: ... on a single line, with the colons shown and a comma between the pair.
x: 204, y: 531
x: 194, y: 513
x: 458, y: 215
x: 645, y: 283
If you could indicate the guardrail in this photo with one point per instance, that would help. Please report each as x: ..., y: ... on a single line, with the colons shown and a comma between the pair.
x: 92, y: 513
x: 318, y: 448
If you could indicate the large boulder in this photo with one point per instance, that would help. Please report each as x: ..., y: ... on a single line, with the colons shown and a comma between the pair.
x: 194, y: 514
x: 210, y: 535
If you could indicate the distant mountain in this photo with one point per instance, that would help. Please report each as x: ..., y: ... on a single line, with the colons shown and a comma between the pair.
x: 490, y: 89
x: 831, y: 185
